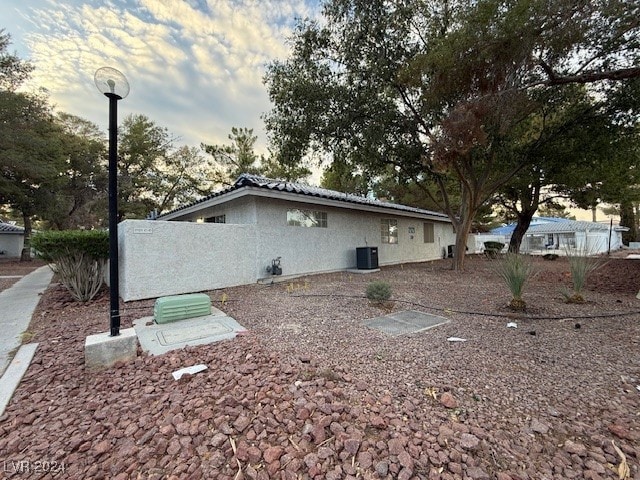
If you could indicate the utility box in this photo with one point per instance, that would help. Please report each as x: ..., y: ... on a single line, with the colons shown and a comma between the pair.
x: 367, y: 258
x: 179, y: 307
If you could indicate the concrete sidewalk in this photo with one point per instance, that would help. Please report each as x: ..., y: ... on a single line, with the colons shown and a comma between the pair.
x: 17, y: 304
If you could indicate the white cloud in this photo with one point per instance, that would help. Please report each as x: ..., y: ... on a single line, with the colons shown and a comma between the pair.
x: 197, y: 71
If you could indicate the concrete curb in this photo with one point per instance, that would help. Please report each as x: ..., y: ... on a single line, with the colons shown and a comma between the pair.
x: 14, y: 373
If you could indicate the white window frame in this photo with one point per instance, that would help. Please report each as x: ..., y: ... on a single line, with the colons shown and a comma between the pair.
x: 299, y: 217
x: 389, y: 231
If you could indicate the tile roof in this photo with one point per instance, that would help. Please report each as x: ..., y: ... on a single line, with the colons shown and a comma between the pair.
x: 257, y: 181
x: 558, y: 225
x: 10, y: 228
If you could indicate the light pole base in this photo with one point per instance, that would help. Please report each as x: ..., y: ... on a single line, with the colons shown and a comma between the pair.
x: 103, y: 350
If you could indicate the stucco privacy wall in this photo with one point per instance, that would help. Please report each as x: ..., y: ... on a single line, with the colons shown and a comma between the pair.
x: 11, y: 245
x: 315, y: 249
x: 167, y: 258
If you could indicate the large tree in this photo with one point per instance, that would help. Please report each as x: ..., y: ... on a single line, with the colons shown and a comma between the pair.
x: 440, y: 88
x: 235, y: 158
x: 30, y: 145
x: 154, y: 174
x: 239, y: 156
x: 81, y: 197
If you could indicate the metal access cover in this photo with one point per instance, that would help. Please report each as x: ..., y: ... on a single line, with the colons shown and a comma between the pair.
x: 405, y: 322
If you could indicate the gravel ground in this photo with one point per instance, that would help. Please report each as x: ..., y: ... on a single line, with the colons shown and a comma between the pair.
x: 310, y: 392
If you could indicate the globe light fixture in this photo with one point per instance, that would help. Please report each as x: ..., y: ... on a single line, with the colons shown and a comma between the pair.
x: 113, y: 84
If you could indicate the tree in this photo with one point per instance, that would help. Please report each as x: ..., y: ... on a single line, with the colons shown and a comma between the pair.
x: 239, y: 157
x: 30, y: 150
x: 184, y: 177
x: 142, y: 148
x: 154, y: 174
x: 236, y: 158
x: 13, y: 70
x: 80, y: 200
x: 342, y: 177
x: 568, y: 127
x: 439, y: 88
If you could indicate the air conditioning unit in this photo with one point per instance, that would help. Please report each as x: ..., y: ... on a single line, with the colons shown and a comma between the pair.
x: 367, y: 258
x: 179, y: 307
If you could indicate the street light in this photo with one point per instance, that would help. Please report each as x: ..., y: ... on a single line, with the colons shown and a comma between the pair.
x: 114, y: 86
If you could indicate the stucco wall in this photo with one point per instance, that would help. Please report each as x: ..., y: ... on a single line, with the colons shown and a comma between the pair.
x: 159, y: 258
x: 241, y: 211
x: 167, y: 258
x: 11, y: 245
x: 316, y: 249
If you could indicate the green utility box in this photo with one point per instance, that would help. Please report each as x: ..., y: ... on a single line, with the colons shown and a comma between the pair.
x: 179, y: 307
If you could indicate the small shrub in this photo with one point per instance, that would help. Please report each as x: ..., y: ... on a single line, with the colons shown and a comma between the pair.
x: 78, y: 257
x: 515, y: 270
x: 378, y: 291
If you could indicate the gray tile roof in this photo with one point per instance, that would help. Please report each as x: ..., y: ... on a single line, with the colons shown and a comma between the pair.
x: 9, y: 228
x: 256, y: 181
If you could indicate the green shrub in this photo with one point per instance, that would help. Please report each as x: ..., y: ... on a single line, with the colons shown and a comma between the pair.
x: 378, y: 291
x: 515, y: 270
x: 77, y: 256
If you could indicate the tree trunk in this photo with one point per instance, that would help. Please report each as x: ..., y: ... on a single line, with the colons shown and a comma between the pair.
x: 462, y: 234
x: 524, y: 221
x: 25, y: 255
x: 627, y: 219
x: 594, y: 209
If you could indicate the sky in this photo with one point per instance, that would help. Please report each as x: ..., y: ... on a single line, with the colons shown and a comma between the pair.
x: 193, y: 66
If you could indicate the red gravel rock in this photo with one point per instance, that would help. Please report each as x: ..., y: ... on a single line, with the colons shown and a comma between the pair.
x: 528, y: 407
x: 448, y: 400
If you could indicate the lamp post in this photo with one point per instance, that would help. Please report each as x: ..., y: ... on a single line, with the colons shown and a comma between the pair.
x: 114, y: 86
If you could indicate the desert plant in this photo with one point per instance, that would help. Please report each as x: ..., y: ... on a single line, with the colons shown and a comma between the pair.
x: 581, y: 263
x: 378, y: 291
x: 515, y: 270
x: 78, y: 257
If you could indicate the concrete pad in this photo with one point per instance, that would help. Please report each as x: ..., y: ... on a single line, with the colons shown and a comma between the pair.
x: 362, y: 271
x: 14, y: 373
x: 405, y: 322
x: 162, y: 338
x: 633, y: 256
x: 102, y: 350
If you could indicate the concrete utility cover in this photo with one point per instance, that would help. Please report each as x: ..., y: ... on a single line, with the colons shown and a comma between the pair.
x: 161, y: 338
x: 405, y: 322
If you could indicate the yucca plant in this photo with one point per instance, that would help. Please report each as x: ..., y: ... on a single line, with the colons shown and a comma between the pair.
x: 515, y: 269
x: 581, y: 263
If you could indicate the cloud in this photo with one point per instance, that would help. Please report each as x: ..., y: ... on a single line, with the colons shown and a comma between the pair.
x: 194, y: 66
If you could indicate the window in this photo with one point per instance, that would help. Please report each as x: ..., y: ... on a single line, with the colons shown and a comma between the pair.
x: 306, y: 218
x: 428, y: 233
x: 389, y: 230
x: 216, y: 219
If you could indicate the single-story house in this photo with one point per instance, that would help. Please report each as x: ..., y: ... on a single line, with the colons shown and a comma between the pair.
x: 237, y: 235
x: 547, y: 234
x: 11, y: 240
